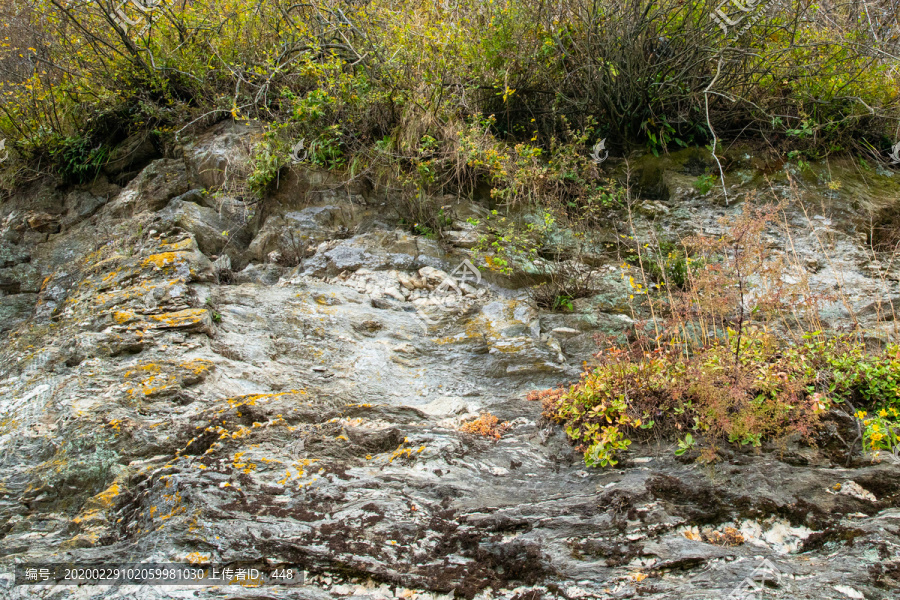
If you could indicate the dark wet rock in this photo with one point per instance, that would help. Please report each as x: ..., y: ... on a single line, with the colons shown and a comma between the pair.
x: 129, y: 157
x: 15, y: 309
x: 22, y: 278
x: 12, y: 254
x: 80, y: 205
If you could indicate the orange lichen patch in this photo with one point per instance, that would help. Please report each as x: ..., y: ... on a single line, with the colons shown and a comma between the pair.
x: 156, y: 379
x: 196, y: 369
x: 116, y: 424
x: 224, y: 435
x: 110, y: 275
x: 184, y: 245
x: 175, y: 511
x: 246, y: 466
x: 164, y: 259
x: 155, y: 386
x: 197, y: 365
x: 487, y: 425
x: 106, y: 498
x: 94, y: 508
x: 324, y: 300
x: 169, y: 502
x: 252, y: 399
x: 82, y: 540
x: 401, y: 452
x: 150, y: 367
x: 729, y: 536
x: 241, y: 432
x: 88, y: 516
x: 112, y: 298
x: 249, y: 399
x: 98, y: 264
x: 183, y: 318
x: 198, y: 558
x: 123, y: 317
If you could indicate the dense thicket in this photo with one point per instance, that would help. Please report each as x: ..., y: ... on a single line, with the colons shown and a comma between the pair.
x: 454, y: 90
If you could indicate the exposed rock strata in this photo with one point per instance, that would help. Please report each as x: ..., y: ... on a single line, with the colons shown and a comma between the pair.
x: 299, y: 402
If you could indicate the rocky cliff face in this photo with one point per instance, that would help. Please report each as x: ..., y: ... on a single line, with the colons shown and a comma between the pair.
x: 185, y: 375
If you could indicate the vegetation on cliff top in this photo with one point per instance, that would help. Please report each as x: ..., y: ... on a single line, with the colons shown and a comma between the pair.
x: 446, y: 94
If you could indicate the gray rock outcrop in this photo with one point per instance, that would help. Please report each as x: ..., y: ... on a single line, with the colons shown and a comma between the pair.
x: 182, y: 381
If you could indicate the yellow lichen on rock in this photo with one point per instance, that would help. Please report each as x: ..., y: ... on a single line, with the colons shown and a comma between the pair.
x: 123, y: 317
x: 114, y: 297
x: 93, y: 518
x: 190, y: 317
x: 106, y: 498
x: 185, y: 245
x: 198, y: 367
x: 164, y: 259
x: 110, y: 275
x: 157, y: 379
x: 150, y: 367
